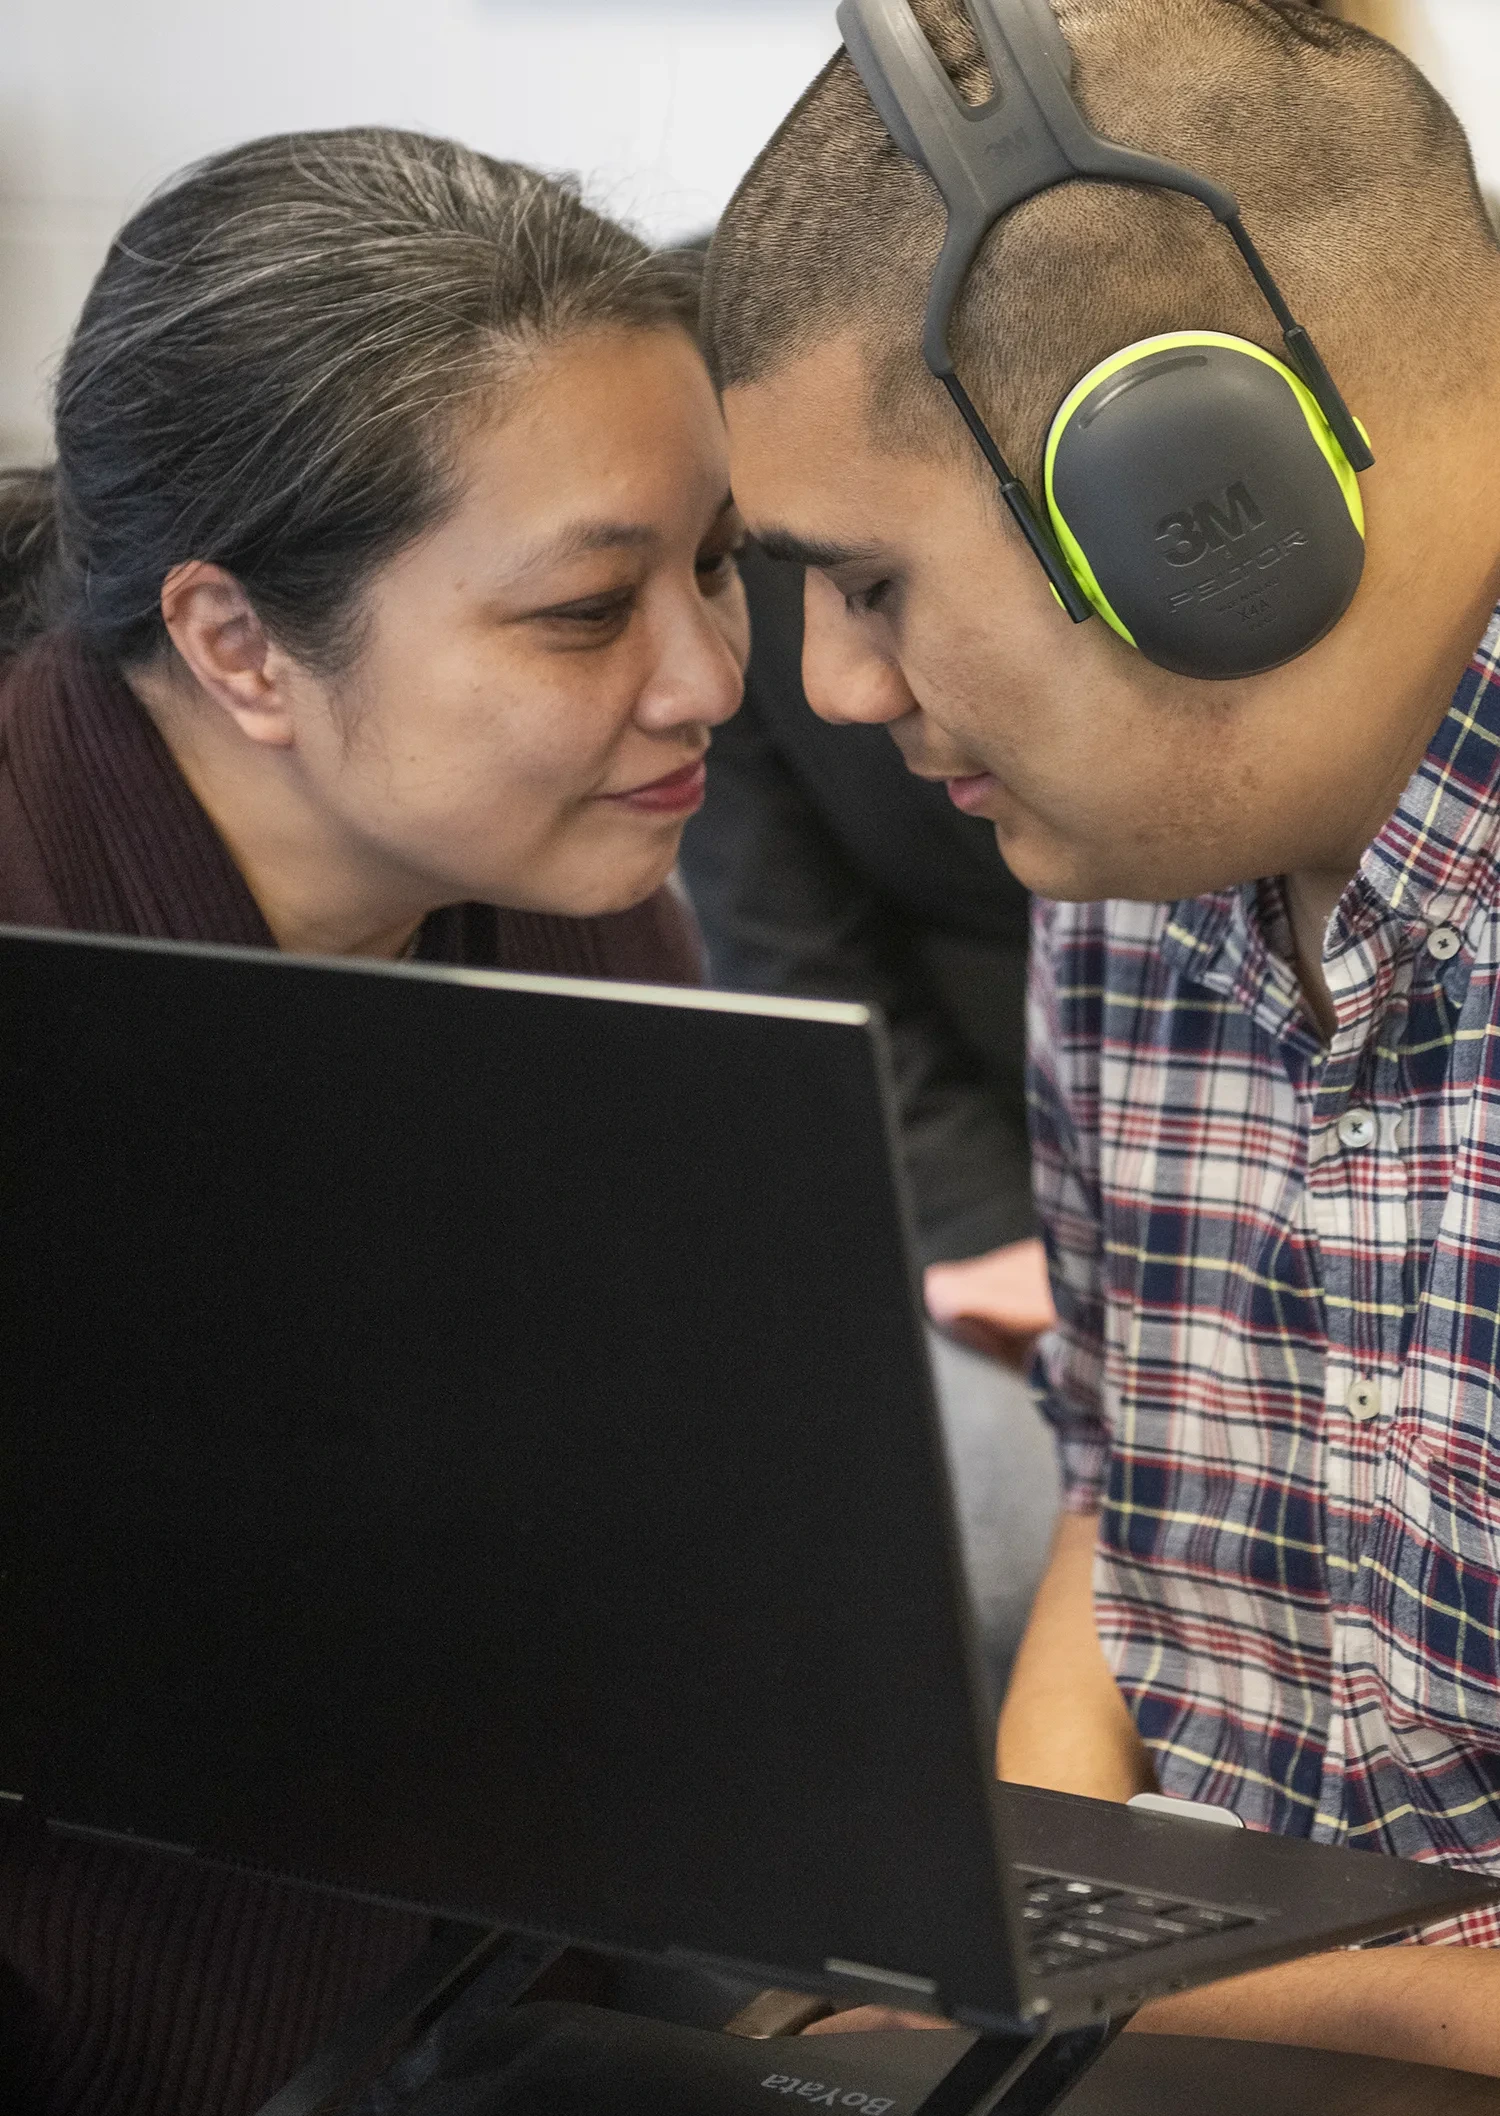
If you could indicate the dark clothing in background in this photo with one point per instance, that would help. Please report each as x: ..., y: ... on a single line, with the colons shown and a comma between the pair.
x: 133, y: 1983
x: 820, y: 868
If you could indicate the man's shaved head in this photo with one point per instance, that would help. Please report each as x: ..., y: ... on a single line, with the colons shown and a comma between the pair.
x: 1353, y: 176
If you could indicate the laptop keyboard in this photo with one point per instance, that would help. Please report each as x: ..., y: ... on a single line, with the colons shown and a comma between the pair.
x: 1071, y: 1924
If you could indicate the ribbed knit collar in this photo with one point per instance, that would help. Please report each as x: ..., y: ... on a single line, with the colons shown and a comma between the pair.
x: 127, y: 847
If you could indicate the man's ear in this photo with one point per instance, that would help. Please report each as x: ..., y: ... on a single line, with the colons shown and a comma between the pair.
x: 213, y: 625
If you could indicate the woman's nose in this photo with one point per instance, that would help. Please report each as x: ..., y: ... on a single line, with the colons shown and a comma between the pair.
x: 846, y: 680
x: 699, y: 678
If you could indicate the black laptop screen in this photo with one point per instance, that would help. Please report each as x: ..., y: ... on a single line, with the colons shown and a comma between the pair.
x: 470, y: 1443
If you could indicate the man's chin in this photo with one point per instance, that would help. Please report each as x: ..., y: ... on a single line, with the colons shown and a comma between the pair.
x: 1078, y: 874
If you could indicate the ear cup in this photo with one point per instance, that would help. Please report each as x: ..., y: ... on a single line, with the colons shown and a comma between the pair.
x: 1204, y: 506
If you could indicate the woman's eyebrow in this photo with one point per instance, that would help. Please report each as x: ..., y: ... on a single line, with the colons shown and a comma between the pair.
x: 577, y: 540
x: 805, y: 551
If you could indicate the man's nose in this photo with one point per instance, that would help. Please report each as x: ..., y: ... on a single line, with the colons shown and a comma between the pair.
x: 846, y: 680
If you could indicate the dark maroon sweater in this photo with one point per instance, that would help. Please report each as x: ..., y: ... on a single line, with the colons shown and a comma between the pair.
x: 133, y: 1984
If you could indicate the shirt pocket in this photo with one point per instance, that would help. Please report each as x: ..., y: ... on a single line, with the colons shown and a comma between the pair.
x: 1431, y: 1582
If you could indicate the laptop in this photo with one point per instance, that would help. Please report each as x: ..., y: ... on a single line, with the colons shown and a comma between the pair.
x: 468, y: 1440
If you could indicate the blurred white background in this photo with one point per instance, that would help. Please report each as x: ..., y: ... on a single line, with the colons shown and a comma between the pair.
x: 660, y: 106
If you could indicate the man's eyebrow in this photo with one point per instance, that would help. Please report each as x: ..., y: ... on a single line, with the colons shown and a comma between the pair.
x: 805, y: 551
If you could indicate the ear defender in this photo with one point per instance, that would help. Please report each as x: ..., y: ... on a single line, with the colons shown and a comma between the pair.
x: 1204, y: 504
x: 1201, y: 494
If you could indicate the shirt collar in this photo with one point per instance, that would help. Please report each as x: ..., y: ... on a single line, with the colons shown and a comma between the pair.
x: 1434, y: 863
x: 1438, y: 858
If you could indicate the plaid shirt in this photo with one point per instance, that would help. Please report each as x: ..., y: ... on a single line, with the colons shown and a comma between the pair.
x: 1277, y: 1270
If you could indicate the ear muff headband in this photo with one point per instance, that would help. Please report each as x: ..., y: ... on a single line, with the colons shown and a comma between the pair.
x: 1203, y: 504
x: 1030, y: 136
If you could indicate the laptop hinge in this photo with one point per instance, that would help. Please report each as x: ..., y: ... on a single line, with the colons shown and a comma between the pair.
x: 871, y: 1985
x: 882, y: 1987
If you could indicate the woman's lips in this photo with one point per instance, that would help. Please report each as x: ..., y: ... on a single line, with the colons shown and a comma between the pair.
x: 971, y: 794
x: 678, y: 794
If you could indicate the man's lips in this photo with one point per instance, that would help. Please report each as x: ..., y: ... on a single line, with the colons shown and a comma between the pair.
x: 971, y: 793
x: 678, y: 794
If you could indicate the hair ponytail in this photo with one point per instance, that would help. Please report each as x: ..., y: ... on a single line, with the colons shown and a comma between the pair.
x: 28, y: 556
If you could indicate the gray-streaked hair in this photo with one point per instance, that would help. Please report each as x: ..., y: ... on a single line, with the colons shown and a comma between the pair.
x: 273, y: 368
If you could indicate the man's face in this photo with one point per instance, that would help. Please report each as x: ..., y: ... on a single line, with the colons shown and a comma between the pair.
x: 1103, y: 775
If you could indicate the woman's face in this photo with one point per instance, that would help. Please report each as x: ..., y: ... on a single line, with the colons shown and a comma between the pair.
x: 526, y: 721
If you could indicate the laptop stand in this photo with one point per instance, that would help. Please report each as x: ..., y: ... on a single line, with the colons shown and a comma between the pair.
x: 466, y: 1975
x: 1007, y: 2075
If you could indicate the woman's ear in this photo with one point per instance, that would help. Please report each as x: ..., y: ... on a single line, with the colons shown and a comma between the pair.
x: 214, y: 627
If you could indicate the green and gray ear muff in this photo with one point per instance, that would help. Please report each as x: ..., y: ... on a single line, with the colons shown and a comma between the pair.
x: 1201, y: 493
x: 1204, y: 505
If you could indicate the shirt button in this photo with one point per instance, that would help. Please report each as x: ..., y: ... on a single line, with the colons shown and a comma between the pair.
x: 1363, y: 1399
x: 1357, y: 1127
x: 1444, y: 942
